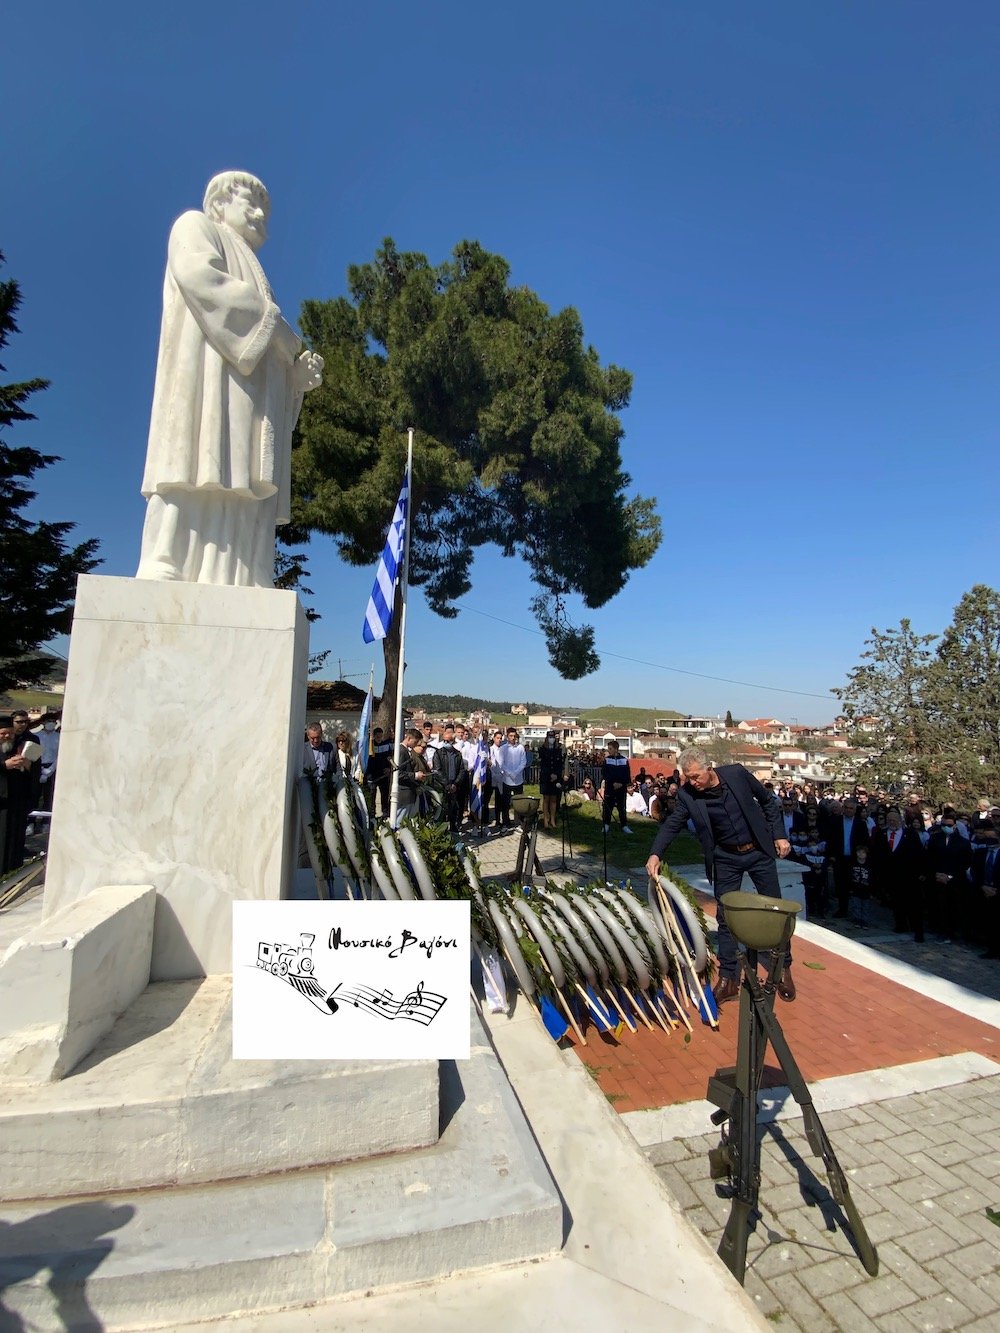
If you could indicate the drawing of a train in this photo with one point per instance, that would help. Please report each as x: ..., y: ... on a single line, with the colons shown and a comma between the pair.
x: 282, y: 959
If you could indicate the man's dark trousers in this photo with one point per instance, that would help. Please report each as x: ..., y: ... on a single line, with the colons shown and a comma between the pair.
x: 730, y: 867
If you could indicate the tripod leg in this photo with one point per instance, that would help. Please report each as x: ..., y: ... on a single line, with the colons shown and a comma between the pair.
x: 816, y: 1135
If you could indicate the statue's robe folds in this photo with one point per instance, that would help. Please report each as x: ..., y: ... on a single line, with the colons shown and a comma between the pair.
x: 218, y: 462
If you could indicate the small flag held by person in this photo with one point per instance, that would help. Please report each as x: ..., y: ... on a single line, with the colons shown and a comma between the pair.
x: 378, y: 617
x: 364, y: 738
x: 478, y: 780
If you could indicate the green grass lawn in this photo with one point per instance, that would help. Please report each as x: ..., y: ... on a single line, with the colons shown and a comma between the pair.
x: 584, y: 830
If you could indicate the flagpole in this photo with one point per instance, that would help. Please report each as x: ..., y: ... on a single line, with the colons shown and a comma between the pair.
x: 398, y: 733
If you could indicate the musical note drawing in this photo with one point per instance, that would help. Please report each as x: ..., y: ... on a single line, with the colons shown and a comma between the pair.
x: 418, y: 1006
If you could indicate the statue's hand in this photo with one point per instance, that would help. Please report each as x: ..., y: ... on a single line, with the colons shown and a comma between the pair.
x: 308, y: 371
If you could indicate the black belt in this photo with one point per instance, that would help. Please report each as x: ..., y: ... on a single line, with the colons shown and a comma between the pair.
x: 740, y: 847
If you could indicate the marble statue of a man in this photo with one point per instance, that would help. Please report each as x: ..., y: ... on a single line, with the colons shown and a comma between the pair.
x: 230, y: 377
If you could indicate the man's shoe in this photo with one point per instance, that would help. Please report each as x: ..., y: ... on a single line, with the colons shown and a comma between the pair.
x: 726, y: 988
x: 626, y: 830
x: 786, y: 986
x: 606, y: 828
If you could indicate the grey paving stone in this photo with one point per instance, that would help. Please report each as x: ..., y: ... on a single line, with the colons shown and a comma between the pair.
x: 793, y: 1196
x: 982, y: 1226
x: 883, y: 1294
x: 878, y: 1174
x: 846, y: 1316
x: 835, y: 1121
x: 834, y: 1275
x: 702, y: 1220
x: 980, y: 1171
x: 961, y: 1201
x: 775, y: 1259
x: 978, y: 1122
x: 934, y: 1170
x: 976, y: 1260
x: 917, y: 1276
x: 694, y: 1168
x: 962, y: 1232
x: 896, y: 1322
x: 913, y: 1141
x: 674, y: 1150
x: 938, y: 1313
x: 920, y: 1187
x: 923, y: 1246
x: 891, y: 1225
x: 958, y: 1149
x: 979, y: 1301
x: 990, y: 1286
x: 679, y: 1188
x: 800, y: 1306
x: 764, y: 1298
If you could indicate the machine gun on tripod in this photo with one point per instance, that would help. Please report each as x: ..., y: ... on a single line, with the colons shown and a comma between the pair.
x: 765, y: 924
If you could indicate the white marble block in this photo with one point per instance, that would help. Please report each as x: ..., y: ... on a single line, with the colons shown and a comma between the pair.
x: 64, y: 984
x: 181, y: 740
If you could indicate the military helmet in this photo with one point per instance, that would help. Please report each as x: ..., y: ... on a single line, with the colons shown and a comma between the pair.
x: 759, y: 922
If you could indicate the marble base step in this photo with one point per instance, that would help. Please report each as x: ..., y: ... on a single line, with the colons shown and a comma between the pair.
x: 160, y: 1101
x: 480, y: 1196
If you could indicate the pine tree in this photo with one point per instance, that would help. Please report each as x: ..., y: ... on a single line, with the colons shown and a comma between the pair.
x: 962, y: 698
x: 517, y: 439
x: 883, y: 704
x: 38, y: 572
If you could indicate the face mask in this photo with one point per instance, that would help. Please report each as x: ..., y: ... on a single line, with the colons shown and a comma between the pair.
x: 49, y: 726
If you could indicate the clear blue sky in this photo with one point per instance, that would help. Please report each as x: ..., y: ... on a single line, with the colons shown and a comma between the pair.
x: 784, y: 219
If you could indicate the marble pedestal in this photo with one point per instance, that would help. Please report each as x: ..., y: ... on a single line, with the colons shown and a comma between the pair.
x: 181, y: 741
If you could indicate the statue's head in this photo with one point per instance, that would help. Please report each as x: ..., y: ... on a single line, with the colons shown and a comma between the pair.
x: 240, y: 201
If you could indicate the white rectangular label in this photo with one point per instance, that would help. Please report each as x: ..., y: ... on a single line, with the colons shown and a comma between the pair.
x: 350, y: 980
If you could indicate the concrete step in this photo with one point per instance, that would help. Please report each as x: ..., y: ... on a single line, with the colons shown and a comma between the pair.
x: 160, y: 1101
x: 480, y: 1196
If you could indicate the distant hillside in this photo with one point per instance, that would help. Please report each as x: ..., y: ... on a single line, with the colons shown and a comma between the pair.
x: 461, y: 705
x: 641, y: 719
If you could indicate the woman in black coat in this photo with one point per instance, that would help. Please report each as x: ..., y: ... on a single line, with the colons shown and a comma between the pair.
x: 550, y: 773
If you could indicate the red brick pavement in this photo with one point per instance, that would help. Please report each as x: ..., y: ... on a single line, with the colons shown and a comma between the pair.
x: 845, y: 1020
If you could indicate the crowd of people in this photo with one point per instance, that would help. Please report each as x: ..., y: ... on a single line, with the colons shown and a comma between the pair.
x: 27, y: 779
x: 471, y: 777
x: 936, y: 869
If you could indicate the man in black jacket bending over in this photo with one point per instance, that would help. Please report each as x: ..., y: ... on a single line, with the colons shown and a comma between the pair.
x: 740, y: 828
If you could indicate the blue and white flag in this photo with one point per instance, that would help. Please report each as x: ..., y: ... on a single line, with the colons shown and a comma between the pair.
x: 478, y: 779
x: 364, y: 738
x: 378, y: 617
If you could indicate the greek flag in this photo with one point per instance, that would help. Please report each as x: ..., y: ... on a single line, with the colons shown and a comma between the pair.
x: 364, y: 738
x: 378, y: 617
x: 478, y: 779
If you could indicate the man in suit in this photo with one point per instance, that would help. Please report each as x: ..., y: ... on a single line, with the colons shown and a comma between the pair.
x: 950, y: 856
x: 741, y: 831
x: 792, y: 818
x: 846, y: 831
x: 985, y: 876
x: 900, y: 865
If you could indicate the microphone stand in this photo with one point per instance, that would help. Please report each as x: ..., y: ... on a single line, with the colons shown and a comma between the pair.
x: 565, y: 823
